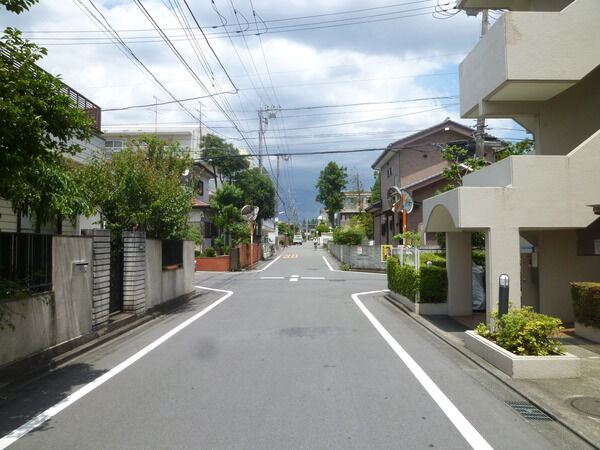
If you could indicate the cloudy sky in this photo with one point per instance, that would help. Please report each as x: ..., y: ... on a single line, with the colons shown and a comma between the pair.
x: 338, y: 75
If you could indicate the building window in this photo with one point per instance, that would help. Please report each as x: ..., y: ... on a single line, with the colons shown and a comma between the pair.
x: 390, y: 171
x: 200, y: 187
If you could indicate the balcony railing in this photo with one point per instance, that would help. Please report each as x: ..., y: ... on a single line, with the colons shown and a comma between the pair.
x: 92, y: 110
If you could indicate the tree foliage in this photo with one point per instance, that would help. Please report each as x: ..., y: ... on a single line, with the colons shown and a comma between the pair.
x: 39, y: 124
x: 140, y: 189
x: 363, y: 221
x: 376, y: 188
x: 258, y: 190
x: 518, y: 148
x: 227, y: 202
x: 223, y: 157
x: 330, y: 185
x: 18, y: 6
x: 459, y: 165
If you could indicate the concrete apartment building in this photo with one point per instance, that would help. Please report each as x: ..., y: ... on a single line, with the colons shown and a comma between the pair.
x: 414, y: 163
x: 539, y: 65
x: 354, y: 204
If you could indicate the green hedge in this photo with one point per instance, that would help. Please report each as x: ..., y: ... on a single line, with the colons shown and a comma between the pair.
x: 478, y: 257
x: 436, y: 259
x: 348, y: 236
x: 431, y: 282
x: 586, y: 303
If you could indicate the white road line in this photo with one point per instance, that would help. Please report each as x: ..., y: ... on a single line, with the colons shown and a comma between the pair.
x: 313, y: 278
x: 268, y: 265
x: 464, y: 427
x: 272, y: 278
x: 38, y: 420
x: 347, y: 271
x: 294, y: 279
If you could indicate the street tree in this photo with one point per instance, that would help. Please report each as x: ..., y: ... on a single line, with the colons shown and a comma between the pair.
x: 376, y: 188
x: 518, y: 148
x: 459, y: 165
x: 39, y: 125
x: 18, y: 6
x: 141, y: 189
x: 330, y: 185
x: 224, y: 158
x: 258, y: 190
x: 227, y: 203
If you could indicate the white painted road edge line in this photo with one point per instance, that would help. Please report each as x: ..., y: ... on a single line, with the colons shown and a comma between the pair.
x: 463, y: 426
x: 268, y: 265
x: 347, y: 271
x: 38, y: 420
x: 312, y: 278
x: 272, y: 278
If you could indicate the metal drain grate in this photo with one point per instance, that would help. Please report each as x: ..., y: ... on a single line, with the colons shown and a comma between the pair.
x: 529, y: 411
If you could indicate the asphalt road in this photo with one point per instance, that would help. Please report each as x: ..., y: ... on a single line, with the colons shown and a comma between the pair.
x: 284, y: 358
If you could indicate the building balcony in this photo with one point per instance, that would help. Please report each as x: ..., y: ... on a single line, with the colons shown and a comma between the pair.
x: 527, y: 192
x: 528, y: 57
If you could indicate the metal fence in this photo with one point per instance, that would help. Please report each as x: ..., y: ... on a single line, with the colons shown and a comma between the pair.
x: 408, y: 256
x: 172, y: 253
x: 26, y: 260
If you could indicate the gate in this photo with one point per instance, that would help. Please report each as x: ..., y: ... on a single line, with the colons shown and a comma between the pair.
x: 116, y: 274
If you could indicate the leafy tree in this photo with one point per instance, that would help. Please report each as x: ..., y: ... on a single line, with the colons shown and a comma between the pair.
x: 223, y: 157
x: 518, y: 148
x: 322, y: 228
x: 332, y: 181
x: 376, y: 188
x: 459, y: 165
x: 18, y: 6
x: 258, y: 190
x: 227, y: 201
x: 364, y: 222
x: 140, y: 189
x: 39, y: 124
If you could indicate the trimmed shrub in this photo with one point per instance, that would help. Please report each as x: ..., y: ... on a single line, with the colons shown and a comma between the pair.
x: 478, y: 257
x: 346, y: 267
x: 403, y: 280
x: 433, y: 284
x: 586, y: 303
x: 524, y: 332
x: 436, y: 260
x: 348, y: 236
x: 210, y: 252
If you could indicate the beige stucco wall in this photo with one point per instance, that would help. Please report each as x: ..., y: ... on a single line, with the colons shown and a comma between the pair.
x: 41, y: 323
x: 559, y: 265
x: 529, y: 56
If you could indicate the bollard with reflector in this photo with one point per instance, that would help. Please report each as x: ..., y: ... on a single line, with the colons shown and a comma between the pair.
x: 503, y: 295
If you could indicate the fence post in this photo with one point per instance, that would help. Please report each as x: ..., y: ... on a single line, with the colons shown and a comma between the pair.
x: 100, y: 275
x: 134, y: 271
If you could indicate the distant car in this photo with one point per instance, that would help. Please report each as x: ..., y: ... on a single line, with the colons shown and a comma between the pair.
x: 297, y: 239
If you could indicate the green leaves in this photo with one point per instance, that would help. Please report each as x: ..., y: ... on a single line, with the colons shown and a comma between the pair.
x: 524, y: 332
x: 223, y: 156
x: 258, y: 190
x: 141, y: 189
x: 459, y: 165
x: 332, y: 181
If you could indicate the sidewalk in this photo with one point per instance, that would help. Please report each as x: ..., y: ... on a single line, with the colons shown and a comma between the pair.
x: 573, y: 402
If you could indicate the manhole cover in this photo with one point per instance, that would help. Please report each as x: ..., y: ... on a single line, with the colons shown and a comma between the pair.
x: 587, y: 405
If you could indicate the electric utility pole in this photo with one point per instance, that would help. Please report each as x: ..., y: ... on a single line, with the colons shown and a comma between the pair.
x: 271, y: 113
x: 480, y: 127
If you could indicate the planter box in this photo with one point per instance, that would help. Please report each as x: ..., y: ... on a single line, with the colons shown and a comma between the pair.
x: 589, y: 333
x: 560, y: 366
x: 214, y: 264
x: 424, y: 309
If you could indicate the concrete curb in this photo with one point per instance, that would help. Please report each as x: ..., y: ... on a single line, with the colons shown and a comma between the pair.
x: 500, y: 376
x: 29, y: 369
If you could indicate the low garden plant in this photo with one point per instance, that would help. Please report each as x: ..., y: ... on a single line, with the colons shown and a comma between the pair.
x: 346, y: 267
x: 431, y: 282
x: 586, y: 303
x: 524, y: 332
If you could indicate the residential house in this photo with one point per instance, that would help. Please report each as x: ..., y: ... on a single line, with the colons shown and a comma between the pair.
x: 539, y: 65
x: 10, y: 221
x: 414, y: 163
x: 354, y: 204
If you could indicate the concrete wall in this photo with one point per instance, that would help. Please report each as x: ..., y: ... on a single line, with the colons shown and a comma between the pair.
x: 164, y: 285
x: 65, y: 313
x: 365, y: 257
x: 559, y: 265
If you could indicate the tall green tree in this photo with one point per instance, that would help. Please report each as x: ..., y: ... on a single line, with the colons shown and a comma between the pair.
x: 258, y: 190
x: 39, y: 125
x: 330, y: 185
x: 140, y: 189
x: 18, y: 6
x: 518, y: 148
x: 224, y: 158
x: 376, y: 188
x: 227, y: 202
x: 459, y: 165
